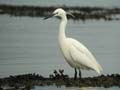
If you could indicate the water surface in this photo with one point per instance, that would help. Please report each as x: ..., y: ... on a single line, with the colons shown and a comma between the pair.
x: 74, y: 88
x: 29, y: 45
x: 103, y: 3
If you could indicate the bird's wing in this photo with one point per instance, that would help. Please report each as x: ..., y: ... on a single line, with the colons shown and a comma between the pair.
x: 82, y: 55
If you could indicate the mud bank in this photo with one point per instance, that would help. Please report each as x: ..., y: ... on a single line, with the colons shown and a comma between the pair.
x: 58, y: 78
x: 80, y: 13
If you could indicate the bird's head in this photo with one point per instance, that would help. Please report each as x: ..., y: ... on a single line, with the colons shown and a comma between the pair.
x: 60, y: 13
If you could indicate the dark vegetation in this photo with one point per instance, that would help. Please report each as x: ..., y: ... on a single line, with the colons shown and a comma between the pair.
x: 58, y: 78
x: 80, y: 13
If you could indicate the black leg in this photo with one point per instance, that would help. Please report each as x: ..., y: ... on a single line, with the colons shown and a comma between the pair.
x: 75, y: 76
x: 79, y: 74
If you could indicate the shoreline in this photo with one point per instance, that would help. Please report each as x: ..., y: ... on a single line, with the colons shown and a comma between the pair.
x: 58, y: 78
x: 80, y: 13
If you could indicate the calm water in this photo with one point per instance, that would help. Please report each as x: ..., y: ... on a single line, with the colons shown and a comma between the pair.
x: 29, y: 45
x: 105, y: 3
x: 73, y: 88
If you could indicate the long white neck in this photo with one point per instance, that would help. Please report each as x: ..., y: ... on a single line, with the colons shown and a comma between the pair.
x: 62, y: 27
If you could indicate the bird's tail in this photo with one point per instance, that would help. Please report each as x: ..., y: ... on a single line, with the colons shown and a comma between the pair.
x: 98, y: 69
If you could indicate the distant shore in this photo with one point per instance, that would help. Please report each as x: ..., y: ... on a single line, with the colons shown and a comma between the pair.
x: 80, y: 13
x: 58, y: 78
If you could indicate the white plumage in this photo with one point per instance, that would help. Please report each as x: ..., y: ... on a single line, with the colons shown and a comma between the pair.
x: 74, y: 52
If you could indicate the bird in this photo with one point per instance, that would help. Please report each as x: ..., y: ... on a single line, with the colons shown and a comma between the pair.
x: 75, y: 53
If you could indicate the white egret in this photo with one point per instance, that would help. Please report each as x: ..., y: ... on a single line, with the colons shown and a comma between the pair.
x: 74, y: 52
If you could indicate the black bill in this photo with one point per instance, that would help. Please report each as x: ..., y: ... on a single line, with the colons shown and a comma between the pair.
x: 49, y: 16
